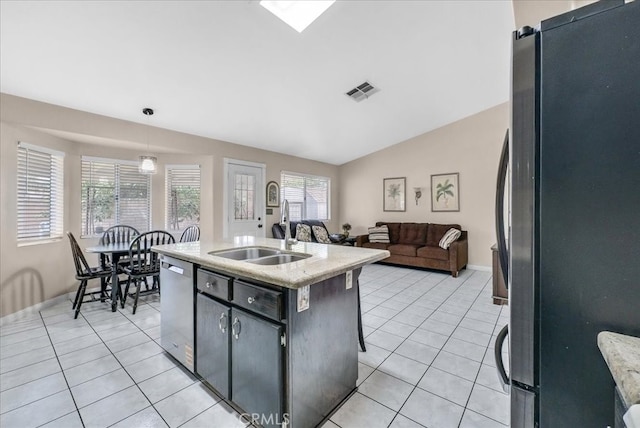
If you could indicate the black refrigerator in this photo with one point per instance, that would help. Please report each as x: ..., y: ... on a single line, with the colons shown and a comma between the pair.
x: 571, y: 237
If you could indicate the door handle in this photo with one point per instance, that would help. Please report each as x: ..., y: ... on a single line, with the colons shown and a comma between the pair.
x: 259, y: 226
x: 497, y: 350
x: 221, y: 326
x: 500, y: 231
x: 234, y: 332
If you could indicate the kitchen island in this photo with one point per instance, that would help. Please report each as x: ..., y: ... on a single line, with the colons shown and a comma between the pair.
x: 277, y: 339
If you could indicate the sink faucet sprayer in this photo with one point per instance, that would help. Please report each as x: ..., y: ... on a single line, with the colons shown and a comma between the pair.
x: 284, y: 221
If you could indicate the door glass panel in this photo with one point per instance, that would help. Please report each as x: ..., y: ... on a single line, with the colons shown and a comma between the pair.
x: 244, y: 197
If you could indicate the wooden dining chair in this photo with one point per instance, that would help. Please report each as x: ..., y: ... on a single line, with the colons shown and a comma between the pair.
x: 84, y: 273
x: 118, y: 234
x: 190, y: 234
x: 144, y: 263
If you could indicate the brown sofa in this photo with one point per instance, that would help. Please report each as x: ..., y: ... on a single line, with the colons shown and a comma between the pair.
x: 416, y: 244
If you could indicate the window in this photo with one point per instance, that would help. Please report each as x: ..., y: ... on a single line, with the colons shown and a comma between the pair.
x: 244, y: 189
x: 183, y: 196
x: 308, y: 196
x: 40, y: 193
x: 114, y: 192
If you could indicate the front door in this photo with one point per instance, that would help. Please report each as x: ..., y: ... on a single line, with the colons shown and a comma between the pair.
x: 245, y: 200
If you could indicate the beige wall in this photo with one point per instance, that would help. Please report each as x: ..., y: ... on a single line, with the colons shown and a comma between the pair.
x: 470, y: 147
x: 531, y: 12
x: 32, y: 274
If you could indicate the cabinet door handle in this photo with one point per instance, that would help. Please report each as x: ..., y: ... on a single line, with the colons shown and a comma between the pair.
x: 251, y: 300
x: 222, y: 323
x: 234, y: 332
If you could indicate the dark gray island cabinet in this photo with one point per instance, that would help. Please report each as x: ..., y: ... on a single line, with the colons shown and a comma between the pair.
x: 282, y: 354
x: 275, y: 363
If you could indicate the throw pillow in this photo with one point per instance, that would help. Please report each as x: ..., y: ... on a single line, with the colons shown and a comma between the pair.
x: 321, y: 234
x: 303, y: 233
x: 379, y: 234
x: 449, y: 237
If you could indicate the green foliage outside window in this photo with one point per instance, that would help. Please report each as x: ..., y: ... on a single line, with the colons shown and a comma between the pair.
x: 185, y: 207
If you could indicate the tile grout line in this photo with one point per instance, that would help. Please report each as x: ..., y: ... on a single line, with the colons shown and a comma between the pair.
x: 434, y: 358
x: 111, y: 353
x: 125, y: 370
x: 478, y: 295
x: 63, y: 375
x: 404, y: 340
x: 408, y: 282
x: 152, y: 405
x: 477, y: 374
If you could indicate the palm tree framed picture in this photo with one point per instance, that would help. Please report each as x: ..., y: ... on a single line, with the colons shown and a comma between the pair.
x: 393, y: 195
x: 445, y: 192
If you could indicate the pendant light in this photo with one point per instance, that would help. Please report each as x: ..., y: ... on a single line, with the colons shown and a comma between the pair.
x: 147, y: 163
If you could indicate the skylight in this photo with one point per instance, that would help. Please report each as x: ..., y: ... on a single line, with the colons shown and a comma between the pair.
x: 297, y: 13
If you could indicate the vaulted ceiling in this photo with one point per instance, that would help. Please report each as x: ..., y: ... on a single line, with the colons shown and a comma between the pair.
x: 232, y: 71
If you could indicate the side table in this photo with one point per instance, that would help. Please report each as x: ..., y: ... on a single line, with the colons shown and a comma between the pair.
x: 351, y: 241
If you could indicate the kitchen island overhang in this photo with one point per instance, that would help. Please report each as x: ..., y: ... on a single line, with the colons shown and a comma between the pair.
x: 326, y: 260
x: 309, y: 366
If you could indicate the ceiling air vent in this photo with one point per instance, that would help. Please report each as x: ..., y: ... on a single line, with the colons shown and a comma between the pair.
x: 362, y: 91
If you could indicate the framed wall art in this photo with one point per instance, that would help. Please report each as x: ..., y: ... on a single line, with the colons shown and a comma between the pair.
x: 393, y: 194
x: 445, y: 192
x: 273, y: 194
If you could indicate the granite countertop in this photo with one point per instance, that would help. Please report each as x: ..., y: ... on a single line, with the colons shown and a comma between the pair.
x: 622, y: 354
x: 326, y: 260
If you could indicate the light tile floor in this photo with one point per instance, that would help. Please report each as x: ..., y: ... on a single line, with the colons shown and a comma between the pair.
x: 429, y: 362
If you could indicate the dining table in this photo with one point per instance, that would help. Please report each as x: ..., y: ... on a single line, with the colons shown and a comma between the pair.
x: 115, y: 250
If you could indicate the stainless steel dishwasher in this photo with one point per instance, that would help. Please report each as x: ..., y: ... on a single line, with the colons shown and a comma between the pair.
x: 176, y: 308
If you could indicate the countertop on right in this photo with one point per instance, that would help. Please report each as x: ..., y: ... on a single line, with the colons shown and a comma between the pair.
x: 622, y: 354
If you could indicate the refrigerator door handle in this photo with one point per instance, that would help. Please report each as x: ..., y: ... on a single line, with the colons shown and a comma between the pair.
x: 500, y: 190
x: 502, y: 373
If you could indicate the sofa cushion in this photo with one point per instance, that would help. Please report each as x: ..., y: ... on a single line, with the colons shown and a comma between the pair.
x: 435, y: 232
x: 413, y: 233
x: 320, y: 232
x: 451, y: 235
x: 303, y: 232
x: 277, y: 231
x: 379, y: 234
x: 403, y: 249
x: 375, y: 245
x: 394, y: 230
x: 436, y: 253
x: 293, y: 226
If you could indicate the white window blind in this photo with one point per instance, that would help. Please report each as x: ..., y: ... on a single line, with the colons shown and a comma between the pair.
x: 40, y: 193
x: 183, y: 196
x: 308, y: 195
x: 114, y: 192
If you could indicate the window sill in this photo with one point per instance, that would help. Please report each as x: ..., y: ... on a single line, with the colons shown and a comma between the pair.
x: 30, y: 243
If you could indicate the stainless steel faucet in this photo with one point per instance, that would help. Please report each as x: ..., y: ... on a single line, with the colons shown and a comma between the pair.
x: 284, y: 221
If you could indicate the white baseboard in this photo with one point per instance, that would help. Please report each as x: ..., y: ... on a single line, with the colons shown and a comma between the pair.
x: 34, y: 309
x: 480, y: 268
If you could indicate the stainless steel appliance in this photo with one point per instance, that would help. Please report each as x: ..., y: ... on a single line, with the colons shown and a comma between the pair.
x: 176, y: 306
x: 574, y: 217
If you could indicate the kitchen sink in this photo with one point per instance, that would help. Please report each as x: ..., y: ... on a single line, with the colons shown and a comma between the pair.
x: 246, y: 253
x: 279, y: 259
x: 260, y: 255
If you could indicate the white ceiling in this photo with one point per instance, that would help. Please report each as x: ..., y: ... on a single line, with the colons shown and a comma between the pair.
x: 232, y: 71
